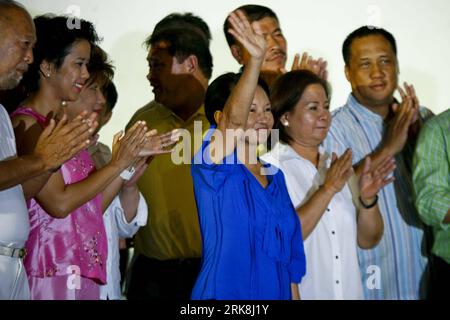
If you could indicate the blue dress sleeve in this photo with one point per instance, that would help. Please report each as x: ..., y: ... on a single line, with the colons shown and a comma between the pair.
x: 205, y: 172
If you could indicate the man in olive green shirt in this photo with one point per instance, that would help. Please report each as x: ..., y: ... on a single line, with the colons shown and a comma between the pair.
x: 432, y: 185
x: 168, y: 248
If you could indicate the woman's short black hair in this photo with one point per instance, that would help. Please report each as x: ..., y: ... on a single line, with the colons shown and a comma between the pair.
x: 220, y: 90
x: 55, y: 38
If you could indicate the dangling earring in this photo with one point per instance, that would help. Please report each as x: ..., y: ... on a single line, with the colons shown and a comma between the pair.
x: 63, y: 103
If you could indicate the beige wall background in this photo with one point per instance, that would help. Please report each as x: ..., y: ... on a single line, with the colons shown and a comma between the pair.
x: 421, y: 28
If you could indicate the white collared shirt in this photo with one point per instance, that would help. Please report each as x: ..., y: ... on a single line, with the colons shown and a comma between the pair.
x: 116, y: 226
x: 332, y: 270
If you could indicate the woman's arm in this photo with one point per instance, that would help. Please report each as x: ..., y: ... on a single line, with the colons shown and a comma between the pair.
x: 369, y: 221
x: 295, y: 292
x: 46, y: 150
x: 370, y: 226
x: 237, y: 107
x: 59, y: 200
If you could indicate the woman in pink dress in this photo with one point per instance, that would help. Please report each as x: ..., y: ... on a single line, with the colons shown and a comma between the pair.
x: 67, y: 246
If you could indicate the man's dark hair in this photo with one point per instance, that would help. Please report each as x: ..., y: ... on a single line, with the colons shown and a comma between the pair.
x: 220, y: 90
x: 182, y: 20
x: 111, y: 96
x: 362, y: 32
x: 182, y: 43
x: 253, y: 13
x: 54, y: 42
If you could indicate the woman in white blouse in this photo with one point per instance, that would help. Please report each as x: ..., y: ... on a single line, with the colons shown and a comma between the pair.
x: 338, y: 211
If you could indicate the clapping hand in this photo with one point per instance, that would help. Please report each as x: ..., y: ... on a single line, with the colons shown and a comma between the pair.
x: 404, y: 116
x: 126, y: 148
x: 158, y: 144
x: 409, y: 91
x: 317, y: 66
x: 61, y: 141
x: 340, y: 171
x: 371, y: 182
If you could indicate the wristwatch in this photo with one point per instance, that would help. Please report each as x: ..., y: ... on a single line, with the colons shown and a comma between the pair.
x: 128, y: 173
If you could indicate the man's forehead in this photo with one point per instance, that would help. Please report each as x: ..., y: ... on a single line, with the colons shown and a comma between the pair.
x: 267, y: 24
x: 18, y: 21
x: 371, y: 44
x: 158, y: 49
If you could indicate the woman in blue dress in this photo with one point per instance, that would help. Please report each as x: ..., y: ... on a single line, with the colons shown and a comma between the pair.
x: 251, y: 235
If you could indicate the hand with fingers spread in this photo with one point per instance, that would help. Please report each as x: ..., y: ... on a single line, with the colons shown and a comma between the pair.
x: 318, y: 67
x: 126, y: 148
x: 398, y: 127
x: 250, y: 37
x: 340, y: 171
x: 158, y: 144
x: 372, y: 181
x: 61, y: 141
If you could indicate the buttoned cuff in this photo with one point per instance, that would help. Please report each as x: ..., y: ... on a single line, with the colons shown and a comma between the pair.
x: 438, y: 214
x: 141, y: 216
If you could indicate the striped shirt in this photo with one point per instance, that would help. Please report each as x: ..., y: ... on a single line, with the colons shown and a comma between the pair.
x: 396, y: 267
x: 431, y: 180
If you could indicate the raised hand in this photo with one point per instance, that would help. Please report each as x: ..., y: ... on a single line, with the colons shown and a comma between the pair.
x: 158, y: 144
x: 318, y: 67
x: 126, y: 148
x: 371, y: 182
x: 398, y: 127
x: 60, y: 142
x: 250, y: 37
x: 410, y: 91
x: 339, y: 172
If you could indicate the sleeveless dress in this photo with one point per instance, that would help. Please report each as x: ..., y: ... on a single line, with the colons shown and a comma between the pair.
x: 66, y: 258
